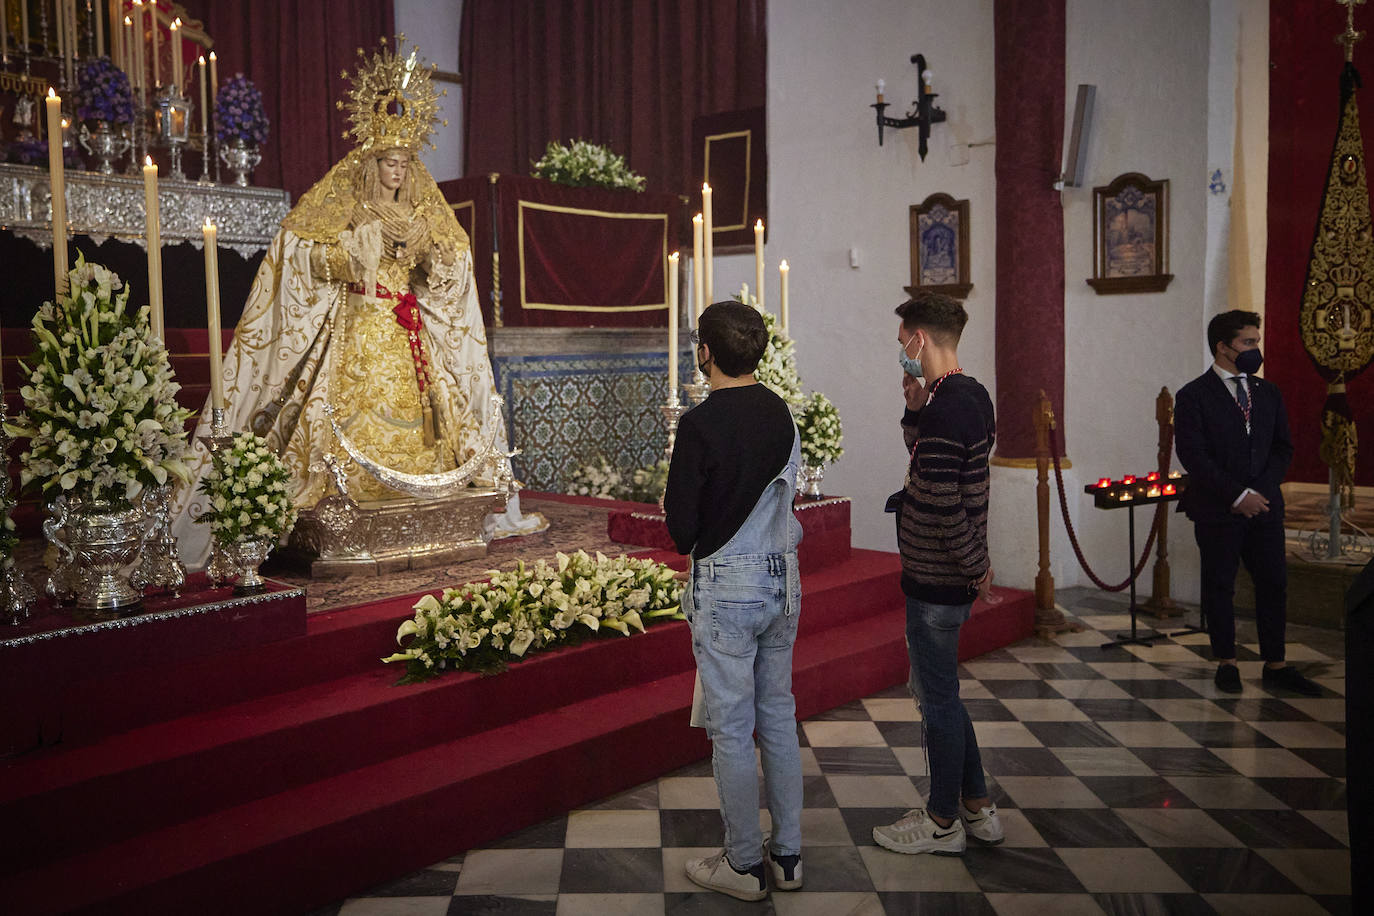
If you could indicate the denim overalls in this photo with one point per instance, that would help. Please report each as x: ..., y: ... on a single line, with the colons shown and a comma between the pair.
x: 742, y: 604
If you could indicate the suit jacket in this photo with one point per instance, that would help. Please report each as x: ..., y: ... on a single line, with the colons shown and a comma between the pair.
x: 1220, y: 458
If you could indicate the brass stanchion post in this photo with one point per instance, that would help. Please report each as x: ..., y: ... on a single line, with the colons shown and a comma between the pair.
x: 1161, y: 602
x: 1048, y: 618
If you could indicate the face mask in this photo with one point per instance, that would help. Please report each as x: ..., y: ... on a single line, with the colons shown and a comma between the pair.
x: 1249, y: 361
x: 912, y: 365
x: 703, y: 363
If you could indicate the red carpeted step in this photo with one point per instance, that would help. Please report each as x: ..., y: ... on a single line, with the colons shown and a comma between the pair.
x: 297, y: 798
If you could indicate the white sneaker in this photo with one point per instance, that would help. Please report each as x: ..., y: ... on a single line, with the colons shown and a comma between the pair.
x: 787, y: 870
x: 717, y: 874
x: 984, y: 827
x: 915, y: 832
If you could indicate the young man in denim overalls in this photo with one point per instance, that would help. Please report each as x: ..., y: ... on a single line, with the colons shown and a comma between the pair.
x: 729, y: 504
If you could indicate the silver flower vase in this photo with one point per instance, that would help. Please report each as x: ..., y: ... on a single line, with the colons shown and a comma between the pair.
x: 241, y: 158
x: 251, y: 553
x: 98, y: 538
x: 809, y: 480
x: 104, y: 145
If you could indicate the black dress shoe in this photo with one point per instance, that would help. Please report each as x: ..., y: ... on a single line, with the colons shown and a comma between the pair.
x: 1228, y: 678
x: 1289, y: 678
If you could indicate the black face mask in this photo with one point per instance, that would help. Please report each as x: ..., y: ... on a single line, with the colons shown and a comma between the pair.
x: 1249, y: 361
x: 702, y: 364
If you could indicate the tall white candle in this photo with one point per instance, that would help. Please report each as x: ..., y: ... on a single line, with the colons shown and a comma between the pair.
x: 783, y: 271
x: 126, y: 52
x: 153, y: 231
x: 58, y: 185
x: 153, y: 27
x: 140, y: 66
x: 99, y: 30
x: 4, y: 31
x: 672, y: 324
x: 758, y: 263
x: 708, y: 244
x: 175, y: 43
x: 24, y: 27
x: 214, y: 77
x: 204, y: 117
x: 212, y: 314
x: 698, y: 271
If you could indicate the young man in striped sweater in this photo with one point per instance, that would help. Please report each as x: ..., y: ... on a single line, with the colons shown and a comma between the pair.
x: 942, y: 516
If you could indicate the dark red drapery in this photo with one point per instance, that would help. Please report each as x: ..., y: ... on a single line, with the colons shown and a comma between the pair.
x: 624, y: 73
x: 294, y: 51
x: 1029, y: 73
x: 1304, y: 112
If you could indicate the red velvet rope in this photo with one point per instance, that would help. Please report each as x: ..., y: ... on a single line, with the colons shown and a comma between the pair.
x: 1073, y: 538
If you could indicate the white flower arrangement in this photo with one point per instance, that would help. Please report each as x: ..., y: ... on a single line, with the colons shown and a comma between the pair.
x: 599, y: 479
x: 247, y: 485
x: 818, y: 420
x: 819, y: 425
x: 582, y: 164
x: 482, y: 626
x: 100, y: 408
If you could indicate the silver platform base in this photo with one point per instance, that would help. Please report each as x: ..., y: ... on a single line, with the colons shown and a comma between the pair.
x: 343, y: 538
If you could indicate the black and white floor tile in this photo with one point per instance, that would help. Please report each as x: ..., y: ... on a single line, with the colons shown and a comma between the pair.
x: 1126, y: 782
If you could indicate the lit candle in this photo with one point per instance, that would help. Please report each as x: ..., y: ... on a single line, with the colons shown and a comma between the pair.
x: 212, y: 314
x: 1175, y: 474
x: 708, y: 243
x: 698, y: 271
x: 1153, y: 475
x: 1170, y: 489
x: 153, y: 230
x: 1129, y: 478
x: 152, y: 22
x: 126, y: 52
x: 214, y: 76
x: 1153, y: 492
x: 59, y: 192
x: 758, y: 263
x: 783, y: 271
x: 204, y: 117
x: 1103, y: 483
x: 175, y: 41
x: 672, y: 326
x: 881, y: 84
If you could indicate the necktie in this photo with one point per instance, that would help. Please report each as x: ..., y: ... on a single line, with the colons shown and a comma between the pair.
x: 1242, y: 398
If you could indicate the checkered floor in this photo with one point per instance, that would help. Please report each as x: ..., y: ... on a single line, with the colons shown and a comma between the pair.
x: 1126, y: 782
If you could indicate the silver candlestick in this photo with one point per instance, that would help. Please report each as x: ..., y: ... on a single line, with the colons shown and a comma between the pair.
x: 222, y: 566
x: 698, y: 389
x: 672, y: 411
x: 160, y: 565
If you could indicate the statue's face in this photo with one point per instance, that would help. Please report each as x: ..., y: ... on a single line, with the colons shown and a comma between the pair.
x: 391, y: 168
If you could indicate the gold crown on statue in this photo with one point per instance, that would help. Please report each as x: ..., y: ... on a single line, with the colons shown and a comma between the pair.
x: 392, y: 103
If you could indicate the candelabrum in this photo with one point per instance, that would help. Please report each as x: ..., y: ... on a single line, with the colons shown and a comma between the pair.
x: 672, y: 411
x: 15, y: 592
x: 698, y: 389
x: 160, y: 565
x: 222, y: 566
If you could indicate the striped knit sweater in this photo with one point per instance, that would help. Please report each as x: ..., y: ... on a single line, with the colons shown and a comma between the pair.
x: 942, y: 525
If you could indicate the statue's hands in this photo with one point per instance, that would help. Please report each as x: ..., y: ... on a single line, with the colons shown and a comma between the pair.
x: 417, y: 237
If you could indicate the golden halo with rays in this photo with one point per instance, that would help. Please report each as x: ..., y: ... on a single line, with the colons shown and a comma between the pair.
x: 392, y: 103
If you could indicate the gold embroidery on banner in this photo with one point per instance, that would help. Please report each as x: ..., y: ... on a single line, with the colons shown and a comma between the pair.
x: 1337, y: 316
x: 606, y: 214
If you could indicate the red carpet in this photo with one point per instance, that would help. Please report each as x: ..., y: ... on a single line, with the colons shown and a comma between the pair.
x: 273, y: 778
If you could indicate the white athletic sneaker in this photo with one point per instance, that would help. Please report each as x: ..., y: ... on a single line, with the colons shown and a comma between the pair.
x: 787, y: 870
x: 915, y: 832
x: 717, y: 874
x: 984, y: 827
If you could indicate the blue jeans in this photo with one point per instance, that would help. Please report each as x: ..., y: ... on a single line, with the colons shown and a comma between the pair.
x: 932, y: 641
x: 743, y: 630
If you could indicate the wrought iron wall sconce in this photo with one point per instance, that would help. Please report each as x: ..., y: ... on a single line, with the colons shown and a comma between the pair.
x: 922, y: 116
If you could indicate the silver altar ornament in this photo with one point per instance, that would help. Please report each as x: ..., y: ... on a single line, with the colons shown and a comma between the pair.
x: 174, y: 125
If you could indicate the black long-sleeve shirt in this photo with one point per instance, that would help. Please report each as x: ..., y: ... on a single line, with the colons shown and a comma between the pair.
x: 942, y: 526
x: 728, y: 449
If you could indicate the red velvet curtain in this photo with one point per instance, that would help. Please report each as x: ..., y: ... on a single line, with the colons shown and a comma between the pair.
x: 1029, y: 71
x: 624, y: 73
x: 294, y: 51
x: 1304, y: 112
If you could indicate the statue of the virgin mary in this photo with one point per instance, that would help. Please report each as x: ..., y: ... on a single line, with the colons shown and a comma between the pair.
x: 362, y: 333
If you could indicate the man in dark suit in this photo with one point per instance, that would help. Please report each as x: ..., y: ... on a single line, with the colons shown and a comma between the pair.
x: 1231, y: 433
